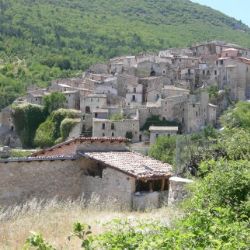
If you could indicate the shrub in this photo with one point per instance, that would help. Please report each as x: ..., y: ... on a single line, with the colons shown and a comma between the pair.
x: 66, y: 126
x: 49, y: 132
x: 45, y: 134
x: 129, y: 135
x: 164, y: 149
x: 53, y: 102
x: 156, y: 121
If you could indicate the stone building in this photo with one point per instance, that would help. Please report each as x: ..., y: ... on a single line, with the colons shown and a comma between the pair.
x: 93, y: 101
x: 72, y: 99
x: 101, y: 167
x: 158, y: 131
x: 122, y: 128
x: 134, y: 95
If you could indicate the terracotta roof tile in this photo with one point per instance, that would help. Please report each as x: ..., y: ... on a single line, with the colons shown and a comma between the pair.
x: 131, y: 163
x: 68, y: 148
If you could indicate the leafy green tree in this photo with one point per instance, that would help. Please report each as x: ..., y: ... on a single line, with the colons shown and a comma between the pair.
x: 27, y: 118
x: 237, y: 117
x: 53, y: 102
x: 164, y: 149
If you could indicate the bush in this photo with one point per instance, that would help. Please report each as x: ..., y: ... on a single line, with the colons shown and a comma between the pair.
x: 66, y: 126
x: 53, y: 102
x: 156, y: 121
x: 164, y: 149
x: 50, y: 132
x: 129, y: 135
x: 238, y: 117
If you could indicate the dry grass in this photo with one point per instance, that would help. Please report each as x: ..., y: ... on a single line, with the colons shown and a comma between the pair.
x: 54, y: 221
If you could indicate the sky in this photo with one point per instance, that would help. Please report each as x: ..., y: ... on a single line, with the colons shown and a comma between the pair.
x: 239, y: 9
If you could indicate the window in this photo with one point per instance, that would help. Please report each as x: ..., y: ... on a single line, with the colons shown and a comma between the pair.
x: 103, y: 126
x: 221, y: 62
x: 96, y: 115
x: 189, y: 71
x: 156, y: 135
x: 113, y: 134
x: 103, y: 135
x: 112, y: 126
x: 215, y: 72
x: 133, y: 98
x: 134, y: 90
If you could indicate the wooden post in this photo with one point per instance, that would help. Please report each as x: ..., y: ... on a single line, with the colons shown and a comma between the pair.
x: 163, y: 184
x: 150, y: 186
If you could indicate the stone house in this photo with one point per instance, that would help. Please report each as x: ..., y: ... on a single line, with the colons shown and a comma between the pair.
x: 100, y: 167
x: 92, y: 102
x: 36, y: 96
x: 134, y: 95
x: 158, y: 131
x: 72, y: 99
x: 152, y: 88
x: 121, y: 128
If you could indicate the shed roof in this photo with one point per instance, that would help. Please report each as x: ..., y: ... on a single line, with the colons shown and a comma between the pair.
x: 133, y: 164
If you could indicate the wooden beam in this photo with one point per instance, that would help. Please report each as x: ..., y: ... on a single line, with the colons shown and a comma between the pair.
x: 163, y: 184
x: 150, y: 186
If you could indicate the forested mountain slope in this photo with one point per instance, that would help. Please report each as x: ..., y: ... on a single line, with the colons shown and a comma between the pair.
x: 43, y: 40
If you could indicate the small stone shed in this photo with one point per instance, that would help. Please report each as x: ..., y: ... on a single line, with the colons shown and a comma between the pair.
x: 100, y: 167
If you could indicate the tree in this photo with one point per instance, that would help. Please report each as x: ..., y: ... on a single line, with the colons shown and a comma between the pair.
x: 27, y: 119
x: 53, y: 102
x: 239, y: 116
x: 164, y: 149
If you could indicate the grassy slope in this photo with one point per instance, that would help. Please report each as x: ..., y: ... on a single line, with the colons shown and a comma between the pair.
x: 49, y: 33
x: 18, y: 222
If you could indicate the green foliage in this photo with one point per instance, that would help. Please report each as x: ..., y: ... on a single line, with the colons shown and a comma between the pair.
x: 20, y: 153
x: 82, y: 232
x: 236, y: 143
x: 36, y: 241
x: 66, y: 126
x: 156, y: 121
x: 164, y: 149
x: 27, y: 118
x: 237, y: 117
x: 45, y: 134
x: 117, y: 117
x: 44, y: 40
x: 54, y: 129
x: 129, y: 135
x: 53, y: 102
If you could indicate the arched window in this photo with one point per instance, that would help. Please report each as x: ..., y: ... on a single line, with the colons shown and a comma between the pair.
x: 112, y: 126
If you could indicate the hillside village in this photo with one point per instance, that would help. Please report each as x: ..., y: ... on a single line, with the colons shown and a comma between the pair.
x: 187, y: 88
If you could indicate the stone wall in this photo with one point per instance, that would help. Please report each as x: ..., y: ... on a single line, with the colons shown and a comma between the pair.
x: 177, y: 189
x: 23, y: 181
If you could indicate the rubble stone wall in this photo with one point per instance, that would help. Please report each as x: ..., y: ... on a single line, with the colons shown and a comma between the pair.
x: 24, y: 181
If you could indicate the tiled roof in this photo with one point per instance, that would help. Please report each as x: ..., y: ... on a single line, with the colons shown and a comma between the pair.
x: 133, y: 164
x: 39, y: 158
x: 68, y: 148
